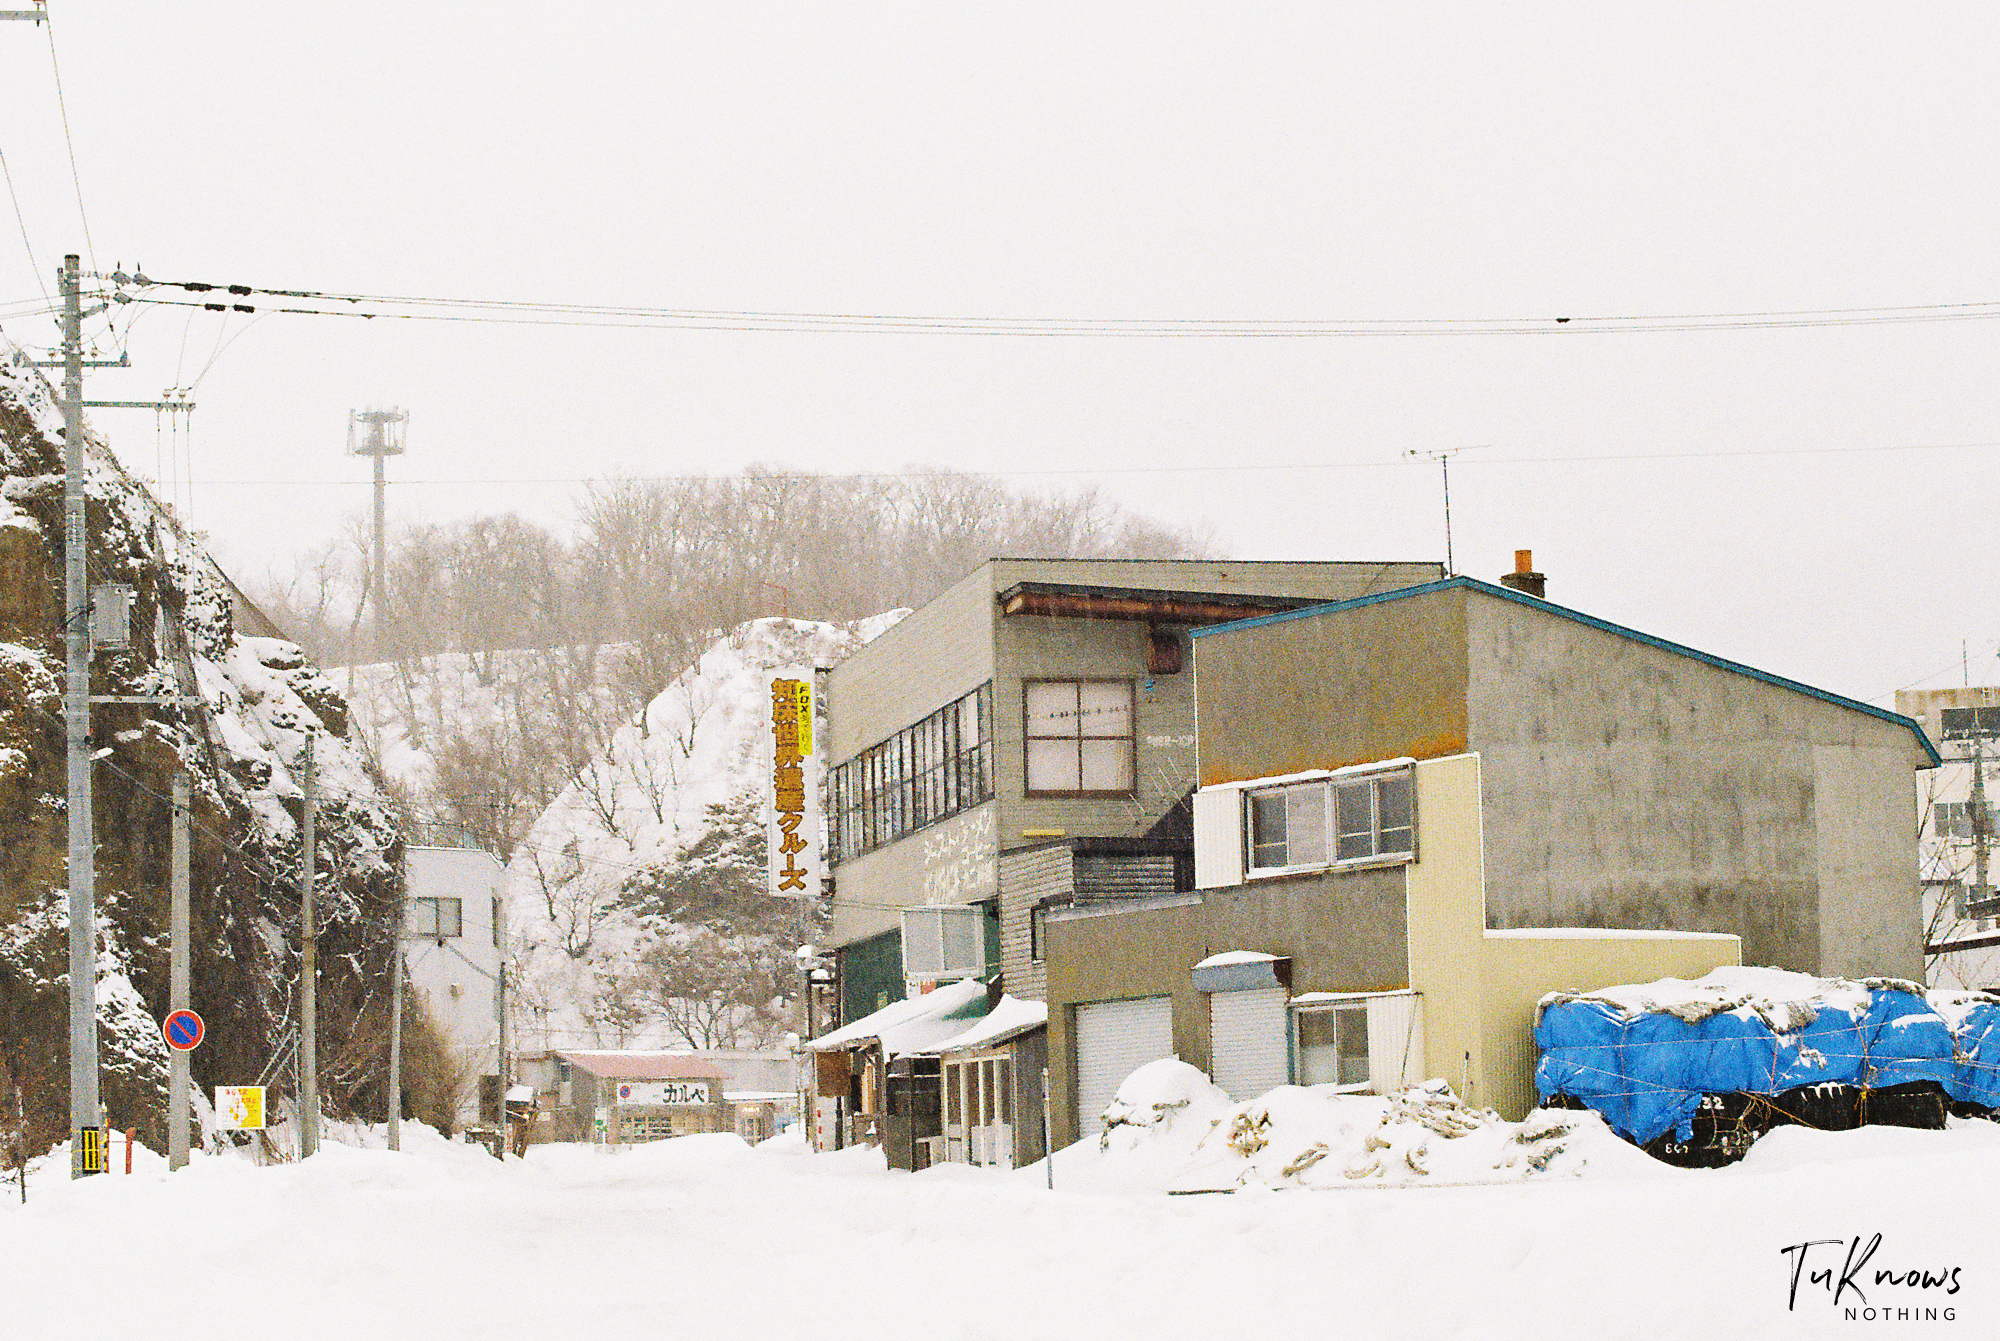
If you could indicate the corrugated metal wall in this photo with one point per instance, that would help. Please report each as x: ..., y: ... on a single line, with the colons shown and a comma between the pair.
x: 1247, y: 1041
x: 1113, y: 1039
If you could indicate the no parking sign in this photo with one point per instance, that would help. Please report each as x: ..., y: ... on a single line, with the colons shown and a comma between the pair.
x: 184, y: 1031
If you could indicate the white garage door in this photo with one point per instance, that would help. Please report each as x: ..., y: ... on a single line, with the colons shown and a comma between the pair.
x: 1114, y: 1039
x: 1246, y: 1034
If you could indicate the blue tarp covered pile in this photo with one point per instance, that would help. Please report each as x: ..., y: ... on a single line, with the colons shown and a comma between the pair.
x: 1644, y: 1055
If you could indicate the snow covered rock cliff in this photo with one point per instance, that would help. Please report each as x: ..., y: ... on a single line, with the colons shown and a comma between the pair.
x: 261, y: 705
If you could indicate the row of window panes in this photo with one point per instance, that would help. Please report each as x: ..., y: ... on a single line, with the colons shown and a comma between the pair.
x: 1359, y: 818
x: 920, y: 775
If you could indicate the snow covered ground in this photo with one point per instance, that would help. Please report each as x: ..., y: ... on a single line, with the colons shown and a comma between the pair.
x: 706, y: 1236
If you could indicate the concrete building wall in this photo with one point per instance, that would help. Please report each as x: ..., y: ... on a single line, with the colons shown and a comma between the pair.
x: 1373, y: 682
x: 1865, y: 831
x: 1479, y: 988
x: 928, y: 659
x: 959, y: 641
x: 457, y: 977
x: 1628, y: 785
x: 1343, y: 931
x: 1030, y: 647
x: 1027, y: 877
x: 953, y: 861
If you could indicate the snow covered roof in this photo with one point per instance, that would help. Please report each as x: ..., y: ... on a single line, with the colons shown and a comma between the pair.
x: 622, y: 1065
x: 914, y: 1024
x: 1009, y: 1018
x: 1231, y: 957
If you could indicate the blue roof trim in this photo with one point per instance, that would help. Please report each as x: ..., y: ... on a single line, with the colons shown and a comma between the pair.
x: 1590, y: 621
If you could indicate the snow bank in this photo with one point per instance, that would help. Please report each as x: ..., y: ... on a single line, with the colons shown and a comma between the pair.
x: 1170, y: 1130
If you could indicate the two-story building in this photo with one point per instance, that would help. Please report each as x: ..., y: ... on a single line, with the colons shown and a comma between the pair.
x: 451, y: 947
x: 1024, y: 741
x: 1422, y: 809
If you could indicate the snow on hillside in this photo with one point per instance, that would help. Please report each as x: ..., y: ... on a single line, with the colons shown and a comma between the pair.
x: 669, y: 777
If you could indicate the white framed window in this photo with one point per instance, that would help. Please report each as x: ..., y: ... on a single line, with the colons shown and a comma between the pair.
x: 436, y: 918
x: 1078, y: 737
x: 1329, y: 822
x: 1330, y: 1045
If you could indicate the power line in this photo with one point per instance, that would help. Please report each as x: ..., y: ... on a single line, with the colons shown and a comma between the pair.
x: 76, y: 178
x: 33, y: 264
x: 515, y: 312
x: 1207, y: 468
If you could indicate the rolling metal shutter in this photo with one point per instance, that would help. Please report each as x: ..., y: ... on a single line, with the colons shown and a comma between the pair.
x: 1246, y: 1033
x: 1114, y: 1039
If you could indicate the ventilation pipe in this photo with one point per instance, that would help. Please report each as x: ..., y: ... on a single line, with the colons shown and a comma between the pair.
x: 1524, y: 578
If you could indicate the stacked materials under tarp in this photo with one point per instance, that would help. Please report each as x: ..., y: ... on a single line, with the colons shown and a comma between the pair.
x: 1695, y: 1071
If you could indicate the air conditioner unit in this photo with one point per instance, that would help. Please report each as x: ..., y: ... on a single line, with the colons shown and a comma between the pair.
x: 940, y: 943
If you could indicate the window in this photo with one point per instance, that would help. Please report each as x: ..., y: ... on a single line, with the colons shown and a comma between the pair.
x: 1953, y: 819
x: 920, y: 775
x: 1965, y: 723
x: 1322, y: 823
x: 440, y: 918
x: 1333, y: 1045
x: 1078, y: 737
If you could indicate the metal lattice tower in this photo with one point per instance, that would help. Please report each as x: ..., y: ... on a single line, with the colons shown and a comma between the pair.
x: 380, y: 434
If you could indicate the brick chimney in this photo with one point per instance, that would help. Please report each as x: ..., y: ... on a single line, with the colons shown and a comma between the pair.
x: 1524, y: 578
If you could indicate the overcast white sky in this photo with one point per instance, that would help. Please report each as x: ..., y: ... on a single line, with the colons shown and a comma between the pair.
x: 1328, y: 162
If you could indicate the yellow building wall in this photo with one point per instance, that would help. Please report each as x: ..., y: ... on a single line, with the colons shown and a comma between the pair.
x: 1479, y: 987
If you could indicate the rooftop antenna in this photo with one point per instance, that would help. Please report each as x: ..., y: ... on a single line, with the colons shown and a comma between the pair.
x: 1443, y: 455
x: 380, y: 434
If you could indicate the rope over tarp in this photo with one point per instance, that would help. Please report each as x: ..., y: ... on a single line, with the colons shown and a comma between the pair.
x: 1646, y: 1071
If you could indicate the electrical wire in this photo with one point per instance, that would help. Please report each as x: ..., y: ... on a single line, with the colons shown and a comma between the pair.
x: 510, y: 312
x: 1232, y: 467
x: 62, y: 106
x: 33, y: 264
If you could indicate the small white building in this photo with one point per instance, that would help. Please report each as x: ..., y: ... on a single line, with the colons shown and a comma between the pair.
x: 451, y: 944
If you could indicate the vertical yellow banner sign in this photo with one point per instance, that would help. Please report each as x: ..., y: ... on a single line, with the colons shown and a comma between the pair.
x: 792, y: 794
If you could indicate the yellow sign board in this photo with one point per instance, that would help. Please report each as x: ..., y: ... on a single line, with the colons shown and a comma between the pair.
x: 239, y: 1107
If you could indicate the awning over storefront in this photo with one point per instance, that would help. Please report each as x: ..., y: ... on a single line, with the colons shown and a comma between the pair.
x: 913, y: 1025
x: 1009, y: 1018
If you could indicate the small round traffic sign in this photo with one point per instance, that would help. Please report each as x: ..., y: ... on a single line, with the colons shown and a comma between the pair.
x: 184, y: 1031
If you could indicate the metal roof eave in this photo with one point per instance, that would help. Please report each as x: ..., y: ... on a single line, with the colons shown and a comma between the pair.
x: 1602, y: 625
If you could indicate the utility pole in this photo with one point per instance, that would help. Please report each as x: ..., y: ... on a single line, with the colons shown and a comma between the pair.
x: 308, y: 976
x: 178, y: 986
x: 86, y: 1136
x: 1980, y: 828
x: 396, y: 1007
x: 86, y: 1121
x: 382, y: 436
x: 500, y: 1036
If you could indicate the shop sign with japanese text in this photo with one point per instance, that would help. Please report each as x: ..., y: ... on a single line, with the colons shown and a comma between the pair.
x: 792, y: 791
